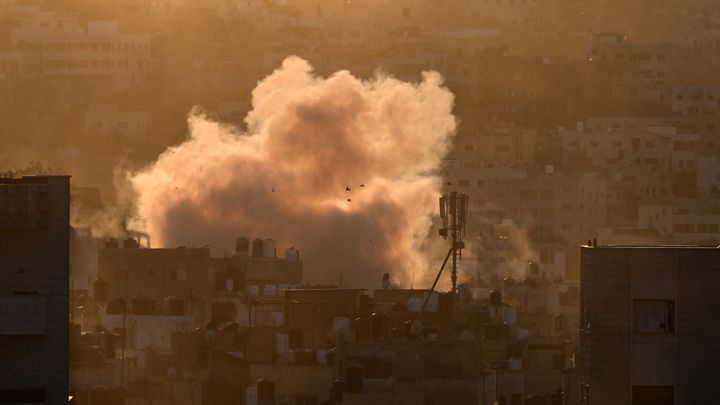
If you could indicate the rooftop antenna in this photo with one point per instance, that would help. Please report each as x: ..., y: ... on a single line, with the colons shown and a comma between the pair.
x: 453, y: 212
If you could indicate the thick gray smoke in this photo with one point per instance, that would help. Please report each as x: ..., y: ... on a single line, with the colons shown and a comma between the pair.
x: 309, y: 138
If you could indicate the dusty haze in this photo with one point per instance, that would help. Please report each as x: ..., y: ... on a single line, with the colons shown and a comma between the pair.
x: 308, y: 138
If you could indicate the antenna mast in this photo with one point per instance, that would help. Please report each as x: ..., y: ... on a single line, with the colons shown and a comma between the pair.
x: 453, y: 212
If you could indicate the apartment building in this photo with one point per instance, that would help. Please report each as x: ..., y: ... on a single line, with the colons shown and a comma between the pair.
x: 34, y: 285
x: 648, y: 325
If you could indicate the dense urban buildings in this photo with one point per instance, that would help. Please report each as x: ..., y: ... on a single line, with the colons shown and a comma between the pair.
x: 591, y: 123
x: 34, y: 289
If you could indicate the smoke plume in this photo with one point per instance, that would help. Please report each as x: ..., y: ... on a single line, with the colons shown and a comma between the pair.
x: 308, y: 140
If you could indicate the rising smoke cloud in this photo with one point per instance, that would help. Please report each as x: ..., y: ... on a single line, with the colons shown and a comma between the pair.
x: 285, y: 177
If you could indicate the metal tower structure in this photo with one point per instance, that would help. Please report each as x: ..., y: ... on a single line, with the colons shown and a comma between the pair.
x: 453, y: 212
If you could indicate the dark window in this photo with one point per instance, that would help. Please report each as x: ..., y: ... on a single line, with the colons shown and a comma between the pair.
x: 516, y: 399
x: 653, y: 395
x: 654, y: 316
x: 22, y: 396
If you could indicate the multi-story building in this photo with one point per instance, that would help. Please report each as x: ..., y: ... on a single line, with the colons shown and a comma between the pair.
x: 156, y: 273
x: 34, y: 286
x: 108, y: 118
x: 649, y: 325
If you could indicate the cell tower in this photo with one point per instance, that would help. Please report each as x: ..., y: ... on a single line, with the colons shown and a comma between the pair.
x: 453, y: 211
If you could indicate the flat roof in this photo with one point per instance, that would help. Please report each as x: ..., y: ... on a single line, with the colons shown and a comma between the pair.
x: 650, y: 247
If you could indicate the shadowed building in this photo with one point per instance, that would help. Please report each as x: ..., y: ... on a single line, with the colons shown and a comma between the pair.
x: 649, y: 317
x: 34, y: 277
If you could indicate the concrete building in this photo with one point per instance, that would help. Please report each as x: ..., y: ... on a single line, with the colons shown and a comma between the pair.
x: 157, y: 273
x: 109, y: 119
x: 34, y: 278
x: 649, y: 325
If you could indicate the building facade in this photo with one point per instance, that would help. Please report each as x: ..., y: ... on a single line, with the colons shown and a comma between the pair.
x: 649, y: 331
x: 34, y: 278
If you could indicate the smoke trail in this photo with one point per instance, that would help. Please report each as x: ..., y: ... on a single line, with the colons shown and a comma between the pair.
x: 308, y: 139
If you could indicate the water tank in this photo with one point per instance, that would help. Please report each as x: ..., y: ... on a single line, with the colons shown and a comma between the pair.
x: 354, y: 378
x: 242, y: 246
x: 364, y: 302
x: 362, y: 329
x: 115, y: 307
x: 292, y: 254
x: 269, y: 248
x: 295, y: 339
x: 109, y: 345
x: 265, y: 391
x: 112, y: 243
x: 446, y: 302
x: 101, y: 290
x: 257, y: 248
x: 341, y: 329
x: 336, y: 391
x: 379, y: 325
x: 143, y: 306
x: 495, y: 298
x: 130, y: 243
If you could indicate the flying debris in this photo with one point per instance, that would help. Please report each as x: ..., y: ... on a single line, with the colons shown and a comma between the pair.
x: 347, y: 188
x: 273, y: 189
x: 362, y: 185
x: 349, y: 200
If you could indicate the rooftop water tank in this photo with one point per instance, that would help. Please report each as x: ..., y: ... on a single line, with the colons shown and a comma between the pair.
x: 495, y: 298
x: 362, y: 329
x: 101, y: 290
x: 130, y: 243
x: 292, y: 254
x: 266, y: 391
x: 112, y: 243
x: 269, y: 248
x: 242, y: 246
x: 257, y: 248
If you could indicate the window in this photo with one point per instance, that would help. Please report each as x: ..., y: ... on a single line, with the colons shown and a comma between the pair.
x: 516, y: 399
x: 654, y: 316
x: 464, y: 183
x: 653, y: 395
